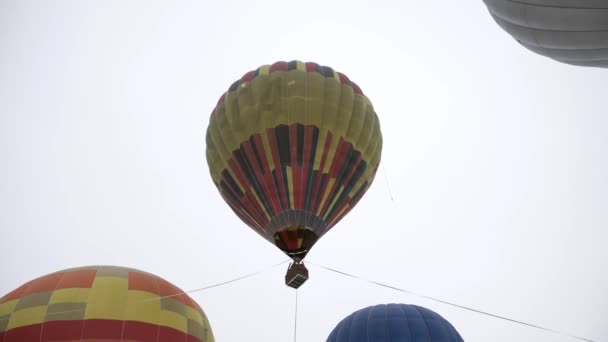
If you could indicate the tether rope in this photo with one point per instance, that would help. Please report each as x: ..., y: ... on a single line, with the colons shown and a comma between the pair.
x: 452, y: 304
x: 295, y: 323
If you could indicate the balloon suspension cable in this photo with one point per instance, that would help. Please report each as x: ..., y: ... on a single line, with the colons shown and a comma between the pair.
x: 295, y: 320
x: 219, y: 284
x: 452, y: 304
x: 388, y: 185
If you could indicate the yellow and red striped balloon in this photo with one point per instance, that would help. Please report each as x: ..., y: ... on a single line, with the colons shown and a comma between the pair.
x: 292, y: 147
x: 101, y: 303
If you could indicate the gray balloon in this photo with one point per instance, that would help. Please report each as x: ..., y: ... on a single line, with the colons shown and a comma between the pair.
x: 570, y: 31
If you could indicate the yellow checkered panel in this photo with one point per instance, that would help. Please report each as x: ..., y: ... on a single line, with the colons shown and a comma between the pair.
x: 106, y: 303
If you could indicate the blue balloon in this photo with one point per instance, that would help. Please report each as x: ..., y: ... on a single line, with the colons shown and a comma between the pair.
x: 394, y: 323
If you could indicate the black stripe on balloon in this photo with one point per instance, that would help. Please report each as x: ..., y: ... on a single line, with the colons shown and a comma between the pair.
x: 357, y: 174
x: 227, y: 177
x: 252, y: 141
x: 348, y: 187
x: 359, y: 194
x: 282, y: 135
x: 247, y: 168
x: 293, y: 65
x: 234, y: 85
x: 325, y: 71
x: 300, y: 144
x: 312, y: 180
x: 357, y: 171
x: 286, y: 185
x: 320, y: 189
x: 278, y: 188
x: 312, y: 175
x: 348, y: 165
x: 229, y: 192
x: 342, y: 173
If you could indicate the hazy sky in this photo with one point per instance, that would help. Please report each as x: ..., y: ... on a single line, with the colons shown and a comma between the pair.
x: 496, y: 159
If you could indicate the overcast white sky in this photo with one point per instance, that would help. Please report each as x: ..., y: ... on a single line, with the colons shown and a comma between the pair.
x: 496, y: 159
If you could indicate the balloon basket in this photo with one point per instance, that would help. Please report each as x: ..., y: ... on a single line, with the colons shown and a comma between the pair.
x: 297, y: 274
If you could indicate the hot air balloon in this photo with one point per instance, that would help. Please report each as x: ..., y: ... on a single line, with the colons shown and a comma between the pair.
x: 394, y: 323
x: 101, y: 303
x: 569, y: 31
x: 292, y: 147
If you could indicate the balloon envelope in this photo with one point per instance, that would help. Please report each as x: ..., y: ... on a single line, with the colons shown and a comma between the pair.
x: 292, y: 147
x: 569, y: 31
x: 101, y: 303
x: 394, y: 323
